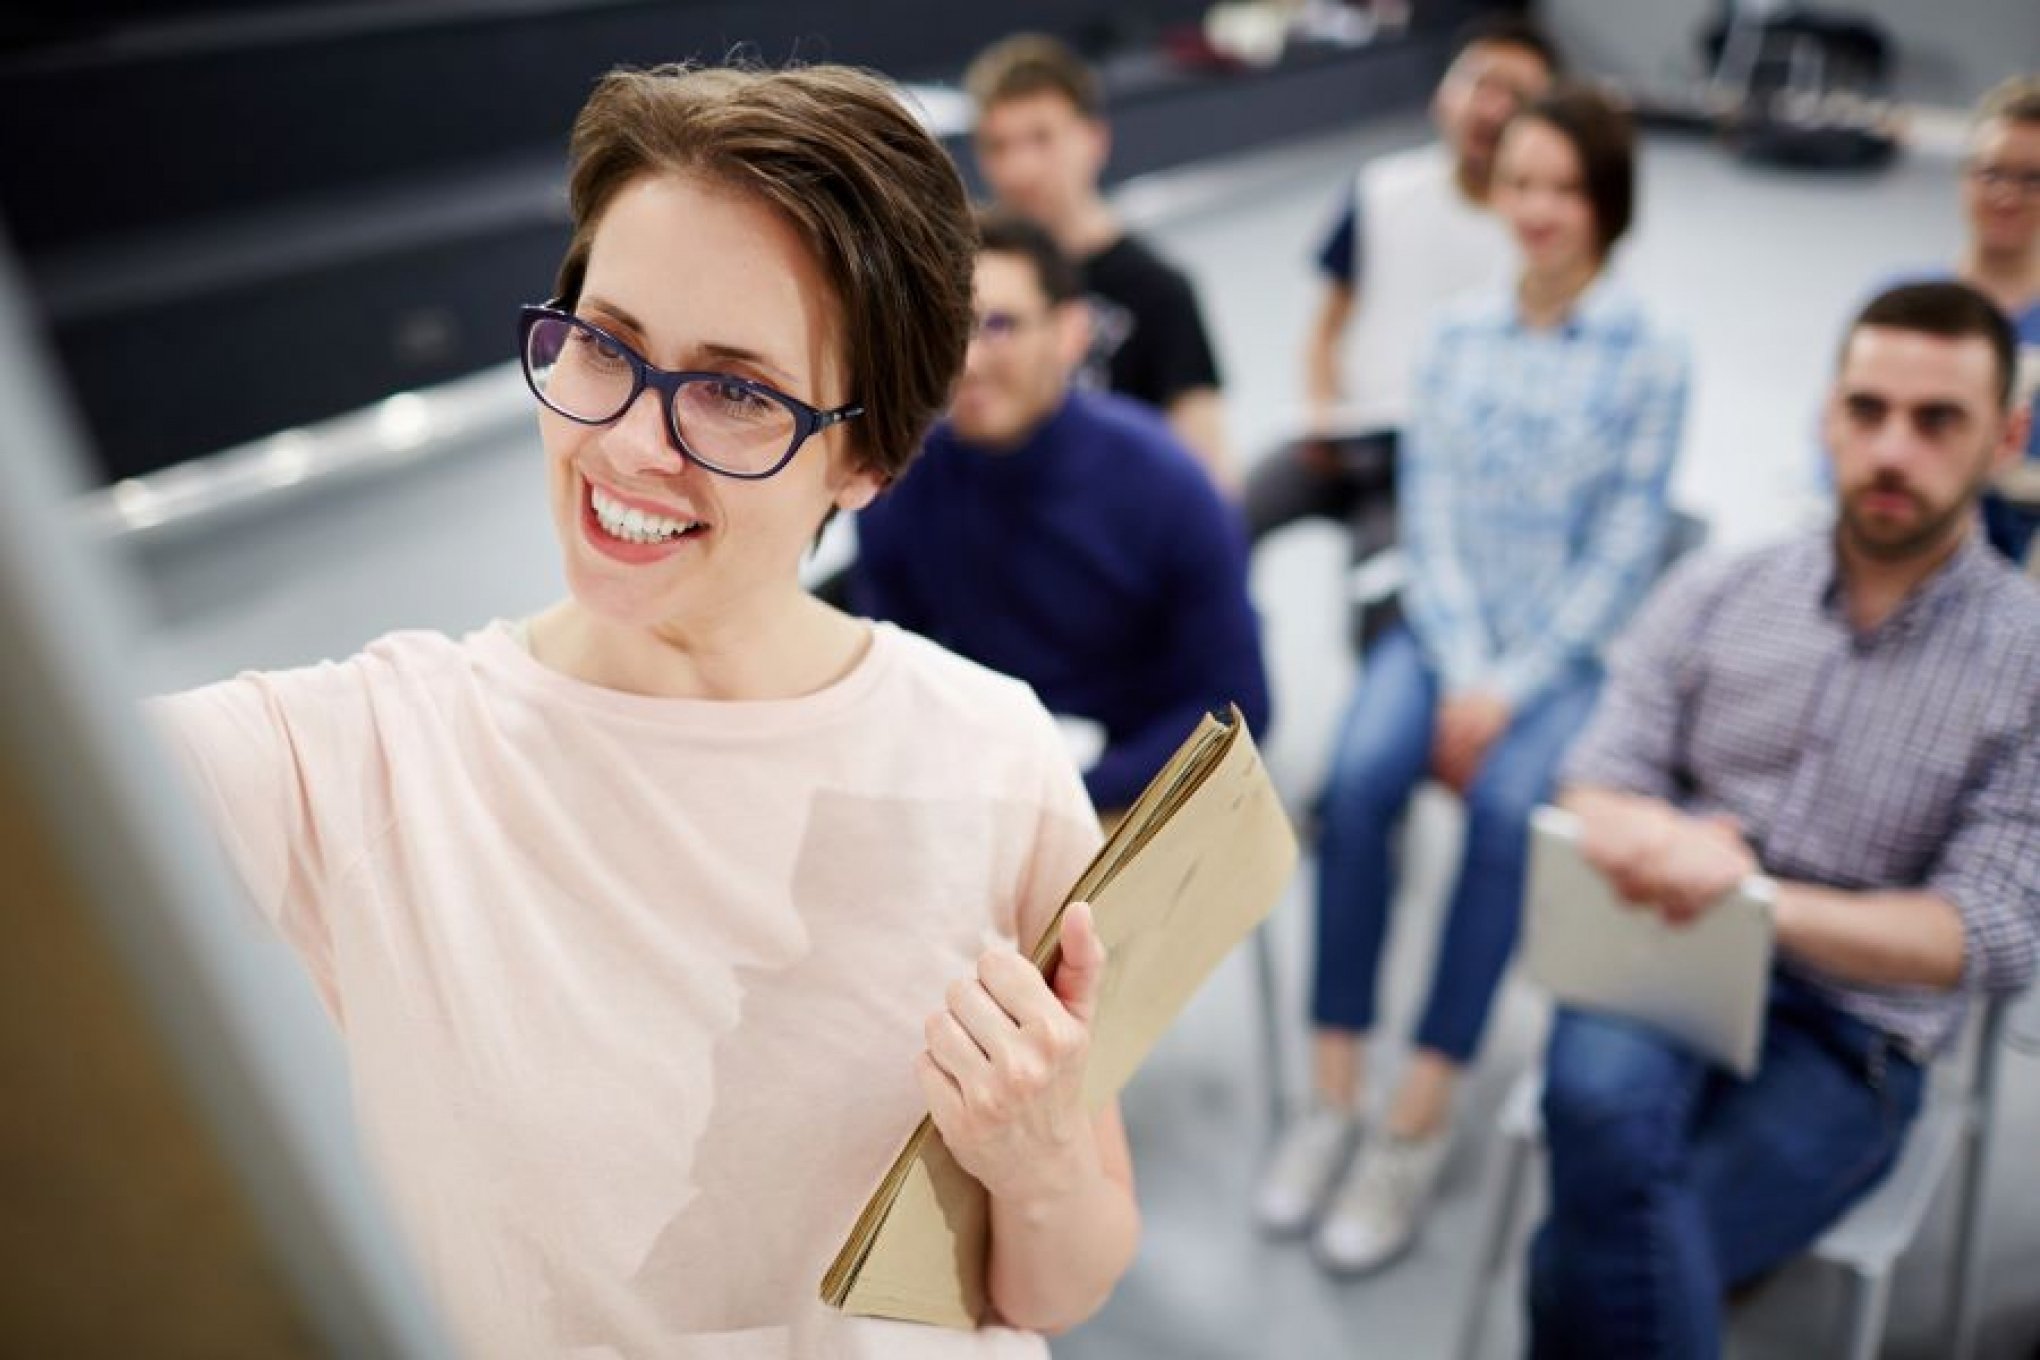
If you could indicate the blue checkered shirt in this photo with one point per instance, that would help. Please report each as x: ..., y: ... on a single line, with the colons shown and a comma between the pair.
x: 1532, y: 486
x: 1904, y: 758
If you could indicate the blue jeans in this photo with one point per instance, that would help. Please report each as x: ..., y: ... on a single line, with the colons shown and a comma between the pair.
x: 1384, y: 753
x: 1673, y: 1182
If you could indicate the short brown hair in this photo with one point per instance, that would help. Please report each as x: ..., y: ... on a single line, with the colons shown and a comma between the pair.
x: 2016, y: 100
x: 1028, y: 64
x: 1509, y: 30
x: 1952, y: 311
x: 1001, y: 232
x: 1604, y: 139
x: 836, y: 154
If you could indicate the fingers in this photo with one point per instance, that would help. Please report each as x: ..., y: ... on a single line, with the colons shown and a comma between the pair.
x: 939, y: 1089
x: 1017, y: 988
x: 984, y: 1020
x: 1700, y: 869
x: 1005, y: 1035
x: 1722, y: 829
x: 954, y: 1051
x: 1445, y: 751
x: 1456, y: 766
x: 1081, y: 971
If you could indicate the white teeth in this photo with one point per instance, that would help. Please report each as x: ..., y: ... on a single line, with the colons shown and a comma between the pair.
x: 632, y: 524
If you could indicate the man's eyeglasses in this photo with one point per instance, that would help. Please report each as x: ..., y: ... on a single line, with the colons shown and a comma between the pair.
x: 727, y: 424
x: 2026, y: 183
x: 998, y: 328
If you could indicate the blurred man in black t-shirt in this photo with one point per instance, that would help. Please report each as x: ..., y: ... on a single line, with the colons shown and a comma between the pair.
x: 1042, y: 143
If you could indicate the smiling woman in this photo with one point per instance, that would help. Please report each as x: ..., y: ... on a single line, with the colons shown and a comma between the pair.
x: 654, y: 922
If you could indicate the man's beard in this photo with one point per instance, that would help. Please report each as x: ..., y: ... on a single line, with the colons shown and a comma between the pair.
x: 1928, y: 532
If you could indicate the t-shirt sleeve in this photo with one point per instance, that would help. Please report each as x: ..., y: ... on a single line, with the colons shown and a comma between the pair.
x: 279, y: 763
x: 1175, y: 348
x: 1338, y: 256
x: 1990, y: 868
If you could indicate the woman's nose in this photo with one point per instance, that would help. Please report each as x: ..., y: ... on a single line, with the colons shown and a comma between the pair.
x: 639, y: 440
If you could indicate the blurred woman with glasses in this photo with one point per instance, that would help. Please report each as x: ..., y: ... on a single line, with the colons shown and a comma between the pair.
x: 653, y: 923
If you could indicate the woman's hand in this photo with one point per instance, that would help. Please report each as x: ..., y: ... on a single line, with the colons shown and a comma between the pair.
x: 1004, y: 1069
x: 1468, y: 726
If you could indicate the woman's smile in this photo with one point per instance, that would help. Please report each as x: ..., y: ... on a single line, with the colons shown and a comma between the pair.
x: 630, y: 531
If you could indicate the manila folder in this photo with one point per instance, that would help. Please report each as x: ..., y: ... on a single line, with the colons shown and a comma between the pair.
x: 1197, y: 862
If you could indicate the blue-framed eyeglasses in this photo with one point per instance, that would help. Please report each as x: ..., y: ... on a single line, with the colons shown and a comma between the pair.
x: 729, y: 425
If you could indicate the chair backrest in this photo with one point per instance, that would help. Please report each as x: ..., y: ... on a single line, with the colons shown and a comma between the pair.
x: 1687, y: 534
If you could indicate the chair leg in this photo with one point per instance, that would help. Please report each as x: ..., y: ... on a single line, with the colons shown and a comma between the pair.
x: 1965, y: 1281
x: 1499, y: 1231
x: 1869, y: 1298
x: 1271, y: 1024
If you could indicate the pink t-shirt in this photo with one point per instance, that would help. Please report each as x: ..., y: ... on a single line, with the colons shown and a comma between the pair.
x: 631, y: 988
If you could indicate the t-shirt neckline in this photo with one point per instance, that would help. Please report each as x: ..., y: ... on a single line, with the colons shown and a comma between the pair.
x: 498, y: 646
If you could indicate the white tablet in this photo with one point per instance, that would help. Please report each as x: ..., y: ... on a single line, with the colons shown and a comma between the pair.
x: 1705, y: 983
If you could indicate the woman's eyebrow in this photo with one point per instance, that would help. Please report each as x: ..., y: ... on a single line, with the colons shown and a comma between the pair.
x: 590, y: 302
x: 719, y: 353
x: 738, y: 354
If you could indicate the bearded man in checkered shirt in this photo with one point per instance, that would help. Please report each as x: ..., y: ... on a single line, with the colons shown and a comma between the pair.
x: 1856, y: 714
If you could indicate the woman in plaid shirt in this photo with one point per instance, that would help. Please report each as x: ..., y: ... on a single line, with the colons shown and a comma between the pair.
x: 1533, y: 515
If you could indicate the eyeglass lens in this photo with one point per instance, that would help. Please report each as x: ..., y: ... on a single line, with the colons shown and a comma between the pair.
x: 725, y: 422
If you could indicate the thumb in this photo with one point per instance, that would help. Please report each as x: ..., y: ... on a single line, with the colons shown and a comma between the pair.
x: 1725, y: 826
x: 1082, y: 968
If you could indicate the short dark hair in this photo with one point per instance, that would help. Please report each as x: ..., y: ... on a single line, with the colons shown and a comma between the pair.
x: 1508, y: 30
x: 835, y: 154
x: 1029, y: 64
x: 1604, y: 139
x: 1953, y: 311
x: 1004, y: 232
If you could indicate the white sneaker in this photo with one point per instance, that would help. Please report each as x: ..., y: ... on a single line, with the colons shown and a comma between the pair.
x: 1307, y: 1162
x: 1375, y: 1215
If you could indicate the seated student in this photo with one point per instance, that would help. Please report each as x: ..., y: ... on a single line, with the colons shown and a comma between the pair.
x: 1041, y: 142
x: 2001, y: 260
x: 1534, y: 515
x: 1414, y: 231
x: 1852, y: 713
x: 1065, y: 537
x: 2001, y: 198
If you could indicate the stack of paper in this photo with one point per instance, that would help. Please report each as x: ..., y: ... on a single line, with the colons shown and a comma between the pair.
x: 1197, y: 862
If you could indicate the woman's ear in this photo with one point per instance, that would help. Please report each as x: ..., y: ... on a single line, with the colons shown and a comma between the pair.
x: 856, y: 486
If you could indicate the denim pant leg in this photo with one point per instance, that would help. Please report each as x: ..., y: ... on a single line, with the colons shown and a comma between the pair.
x: 1624, y: 1265
x: 1487, y: 900
x: 1383, y: 752
x: 1779, y: 1158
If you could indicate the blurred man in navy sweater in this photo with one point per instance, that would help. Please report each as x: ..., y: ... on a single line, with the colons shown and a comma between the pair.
x: 1066, y: 537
